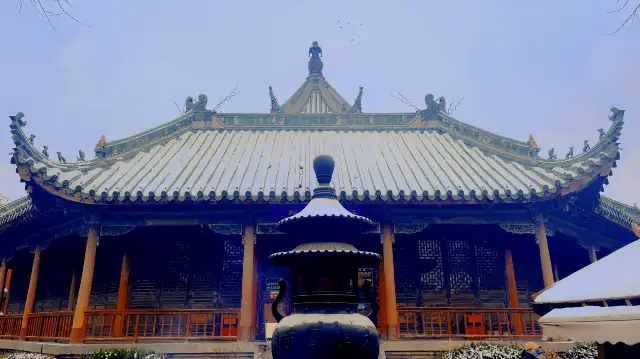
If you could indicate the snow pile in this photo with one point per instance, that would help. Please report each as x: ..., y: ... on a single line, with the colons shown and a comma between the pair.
x: 581, y: 352
x: 25, y: 355
x: 483, y: 351
x: 497, y: 351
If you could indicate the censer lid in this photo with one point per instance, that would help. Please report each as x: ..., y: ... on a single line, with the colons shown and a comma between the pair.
x: 330, y: 250
x: 324, y: 211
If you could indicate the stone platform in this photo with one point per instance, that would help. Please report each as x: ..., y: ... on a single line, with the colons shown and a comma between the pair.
x: 399, y: 349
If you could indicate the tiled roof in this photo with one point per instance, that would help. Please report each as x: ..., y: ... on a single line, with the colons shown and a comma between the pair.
x: 618, y: 212
x: 277, y: 165
x: 15, y: 209
x: 315, y: 96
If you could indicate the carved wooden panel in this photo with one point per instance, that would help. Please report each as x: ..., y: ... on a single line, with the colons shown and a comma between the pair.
x: 430, y: 264
x: 407, y: 274
x: 491, y: 279
x: 460, y: 271
x: 174, y: 281
x: 490, y: 265
x: 231, y: 275
x: 204, y: 272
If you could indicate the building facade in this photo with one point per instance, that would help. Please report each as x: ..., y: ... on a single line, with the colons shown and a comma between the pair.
x: 166, y: 234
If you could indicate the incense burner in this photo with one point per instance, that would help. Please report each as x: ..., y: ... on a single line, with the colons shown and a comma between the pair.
x: 324, y: 288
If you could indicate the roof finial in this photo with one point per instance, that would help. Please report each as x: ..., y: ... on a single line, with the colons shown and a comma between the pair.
x: 315, y: 63
x: 323, y: 165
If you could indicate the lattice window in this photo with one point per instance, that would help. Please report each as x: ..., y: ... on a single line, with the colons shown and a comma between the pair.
x: 406, y: 269
x: 204, y: 274
x: 490, y: 267
x: 460, y: 271
x: 430, y: 264
x: 231, y: 276
x: 174, y: 282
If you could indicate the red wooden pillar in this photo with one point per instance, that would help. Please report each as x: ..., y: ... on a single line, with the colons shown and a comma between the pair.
x: 123, y: 293
x: 31, y: 294
x: 77, y: 328
x: 6, y: 292
x: 389, y: 281
x: 513, y: 290
x: 247, y: 307
x: 545, y: 258
x: 72, y: 291
x: 382, y: 295
x: 3, y: 273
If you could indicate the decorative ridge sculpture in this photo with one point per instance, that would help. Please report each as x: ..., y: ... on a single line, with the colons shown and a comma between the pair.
x: 315, y: 62
x: 325, y: 323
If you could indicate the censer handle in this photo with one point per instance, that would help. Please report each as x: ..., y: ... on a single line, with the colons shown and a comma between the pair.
x: 274, y: 306
x: 366, y: 288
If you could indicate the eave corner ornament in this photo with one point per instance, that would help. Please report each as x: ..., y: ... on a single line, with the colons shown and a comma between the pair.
x: 616, y: 114
x: 357, y: 104
x: 533, y: 147
x: 99, y: 149
x: 432, y: 112
x: 199, y: 108
x: 275, y: 106
x: 17, y: 120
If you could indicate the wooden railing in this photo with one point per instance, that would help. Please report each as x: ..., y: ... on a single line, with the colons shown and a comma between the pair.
x: 137, y: 325
x: 10, y: 326
x: 49, y: 326
x: 478, y: 323
x: 222, y: 324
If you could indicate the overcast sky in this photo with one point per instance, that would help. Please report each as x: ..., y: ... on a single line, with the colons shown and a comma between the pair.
x: 540, y: 67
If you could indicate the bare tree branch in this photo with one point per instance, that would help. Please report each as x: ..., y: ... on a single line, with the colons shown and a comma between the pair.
x: 69, y: 15
x: 454, y: 105
x: 623, y: 6
x: 633, y: 16
x: 181, y: 110
x: 45, y: 13
x: 231, y: 95
x: 403, y: 99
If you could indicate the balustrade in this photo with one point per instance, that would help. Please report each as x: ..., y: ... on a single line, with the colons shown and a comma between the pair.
x: 10, y: 326
x: 222, y: 324
x: 49, y: 326
x: 474, y: 323
x: 137, y: 325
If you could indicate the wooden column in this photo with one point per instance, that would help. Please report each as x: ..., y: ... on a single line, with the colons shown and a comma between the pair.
x: 72, y: 291
x: 254, y: 295
x: 31, y: 294
x: 77, y: 328
x: 6, y: 292
x: 389, y: 280
x: 545, y: 258
x: 382, y: 295
x: 3, y: 274
x: 247, y: 308
x: 602, y: 353
x: 123, y: 293
x: 513, y: 290
x: 592, y: 254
